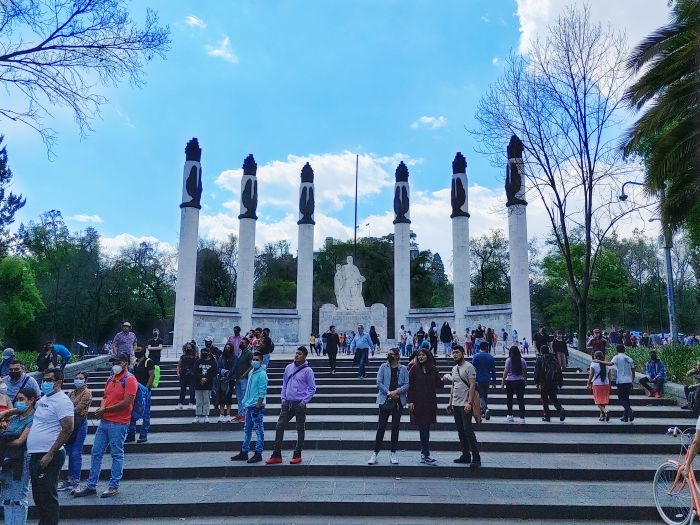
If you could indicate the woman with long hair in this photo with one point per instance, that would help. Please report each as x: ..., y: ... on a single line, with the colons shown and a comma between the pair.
x: 423, y: 382
x: 185, y: 373
x: 226, y: 382
x: 514, y: 377
x: 374, y: 336
x: 599, y: 383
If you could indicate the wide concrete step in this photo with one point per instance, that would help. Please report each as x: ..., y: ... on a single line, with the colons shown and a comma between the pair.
x: 335, y: 520
x: 329, y: 496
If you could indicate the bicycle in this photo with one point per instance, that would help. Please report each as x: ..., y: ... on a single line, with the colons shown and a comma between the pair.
x: 677, y: 496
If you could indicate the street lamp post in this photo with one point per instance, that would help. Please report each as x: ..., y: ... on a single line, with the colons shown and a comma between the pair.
x: 668, y: 244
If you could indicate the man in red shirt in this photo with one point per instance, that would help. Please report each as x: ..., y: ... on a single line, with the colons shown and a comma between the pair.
x: 598, y: 343
x: 115, y: 414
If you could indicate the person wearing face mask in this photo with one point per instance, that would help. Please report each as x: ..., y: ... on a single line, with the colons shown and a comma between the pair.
x: 185, y: 374
x: 17, y: 379
x: 13, y: 441
x: 254, y: 404
x: 81, y: 396
x: 392, y: 386
x: 423, y: 384
x: 226, y: 382
x: 242, y: 368
x: 155, y: 347
x: 115, y: 414
x: 205, y: 370
x: 209, y: 345
x: 7, y: 356
x: 144, y: 371
x: 51, y: 427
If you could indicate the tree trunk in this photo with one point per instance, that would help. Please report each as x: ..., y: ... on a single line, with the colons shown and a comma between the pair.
x: 582, y: 324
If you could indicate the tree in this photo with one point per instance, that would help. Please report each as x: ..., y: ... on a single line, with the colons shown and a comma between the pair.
x: 490, y: 269
x: 53, y: 53
x: 10, y: 203
x: 564, y: 100
x: 19, y: 297
x: 667, y: 135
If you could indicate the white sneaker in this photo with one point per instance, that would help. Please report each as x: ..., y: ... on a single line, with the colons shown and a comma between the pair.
x: 190, y: 406
x: 372, y: 459
x: 393, y: 459
x: 227, y: 419
x: 509, y: 419
x: 521, y: 420
x: 195, y: 420
x: 206, y: 419
x: 220, y: 419
x: 179, y: 406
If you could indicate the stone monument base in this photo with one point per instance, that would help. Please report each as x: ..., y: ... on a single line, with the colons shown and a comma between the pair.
x: 348, y: 320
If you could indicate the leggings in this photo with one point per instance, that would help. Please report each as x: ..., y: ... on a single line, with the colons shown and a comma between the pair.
x: 395, y: 426
x: 516, y: 387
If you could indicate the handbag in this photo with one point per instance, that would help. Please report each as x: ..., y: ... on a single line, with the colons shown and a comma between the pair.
x: 476, y: 401
x: 389, y: 405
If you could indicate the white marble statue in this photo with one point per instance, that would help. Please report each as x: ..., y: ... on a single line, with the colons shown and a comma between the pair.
x: 348, y: 286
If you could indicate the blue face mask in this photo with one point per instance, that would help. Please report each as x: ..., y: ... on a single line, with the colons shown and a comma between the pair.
x: 47, y: 387
x: 256, y: 364
x: 79, y: 383
x: 21, y: 406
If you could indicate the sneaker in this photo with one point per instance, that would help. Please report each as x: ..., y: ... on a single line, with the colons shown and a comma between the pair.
x: 295, y: 459
x: 429, y: 461
x: 509, y: 419
x: 142, y: 439
x: 631, y: 415
x: 111, y: 491
x: 624, y: 419
x: 179, y: 406
x: 562, y: 414
x: 241, y: 456
x: 85, y: 491
x: 274, y: 460
x: 227, y: 419
x: 487, y: 414
x: 546, y: 419
x: 257, y: 458
x: 372, y: 459
x: 130, y: 438
x: 195, y: 420
x: 393, y: 459
x: 659, y: 395
x: 650, y: 393
x: 475, y: 464
x: 206, y: 419
x: 462, y: 459
x: 521, y: 420
x: 220, y: 419
x: 607, y: 416
x: 66, y: 485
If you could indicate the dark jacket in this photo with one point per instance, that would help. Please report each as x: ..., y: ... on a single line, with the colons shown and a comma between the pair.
x: 331, y: 342
x: 555, y: 378
x: 423, y: 384
x: 205, y: 369
x: 445, y: 333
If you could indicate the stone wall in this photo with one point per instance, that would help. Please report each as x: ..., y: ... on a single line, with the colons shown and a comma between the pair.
x: 496, y: 316
x: 218, y: 322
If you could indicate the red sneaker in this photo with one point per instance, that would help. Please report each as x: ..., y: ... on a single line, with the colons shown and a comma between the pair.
x: 658, y: 394
x: 295, y: 460
x: 650, y: 393
x: 274, y: 460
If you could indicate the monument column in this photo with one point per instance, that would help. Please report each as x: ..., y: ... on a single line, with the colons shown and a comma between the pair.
x: 246, y: 243
x: 402, y: 245
x: 305, y: 253
x: 187, y: 247
x: 517, y: 237
x: 460, y: 242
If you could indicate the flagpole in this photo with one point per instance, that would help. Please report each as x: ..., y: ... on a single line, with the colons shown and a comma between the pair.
x: 354, y: 246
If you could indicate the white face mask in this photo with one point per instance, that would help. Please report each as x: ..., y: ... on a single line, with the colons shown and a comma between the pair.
x: 117, y: 369
x: 3, y: 388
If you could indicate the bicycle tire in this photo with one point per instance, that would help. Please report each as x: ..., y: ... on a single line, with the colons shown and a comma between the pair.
x: 674, y: 508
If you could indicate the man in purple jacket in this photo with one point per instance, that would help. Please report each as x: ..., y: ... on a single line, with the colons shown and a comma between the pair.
x: 298, y: 387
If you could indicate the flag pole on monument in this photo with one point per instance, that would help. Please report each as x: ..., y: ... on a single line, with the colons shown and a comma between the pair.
x: 354, y: 244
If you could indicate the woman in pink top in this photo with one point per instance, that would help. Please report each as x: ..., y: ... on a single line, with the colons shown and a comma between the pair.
x: 514, y: 376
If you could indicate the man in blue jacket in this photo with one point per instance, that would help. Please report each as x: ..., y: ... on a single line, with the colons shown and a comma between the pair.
x: 485, y: 365
x: 361, y: 345
x: 59, y: 351
x: 254, y: 405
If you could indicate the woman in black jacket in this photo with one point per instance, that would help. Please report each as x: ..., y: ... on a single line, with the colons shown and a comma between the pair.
x: 423, y: 383
x: 446, y: 338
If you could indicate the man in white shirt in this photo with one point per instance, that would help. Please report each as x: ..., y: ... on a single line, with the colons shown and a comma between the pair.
x: 51, y: 428
x: 625, y: 380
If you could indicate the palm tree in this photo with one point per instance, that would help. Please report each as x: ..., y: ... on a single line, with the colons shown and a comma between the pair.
x: 666, y: 136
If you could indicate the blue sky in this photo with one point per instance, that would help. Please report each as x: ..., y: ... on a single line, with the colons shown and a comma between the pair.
x: 291, y: 81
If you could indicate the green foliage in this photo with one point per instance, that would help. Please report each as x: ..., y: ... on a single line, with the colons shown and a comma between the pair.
x: 10, y: 203
x: 19, y: 297
x: 677, y: 358
x: 490, y: 265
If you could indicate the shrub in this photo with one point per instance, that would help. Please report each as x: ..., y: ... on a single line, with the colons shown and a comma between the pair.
x: 677, y: 358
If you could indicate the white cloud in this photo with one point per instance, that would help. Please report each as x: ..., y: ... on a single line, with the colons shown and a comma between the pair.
x: 223, y: 50
x: 534, y: 16
x: 82, y: 217
x: 485, y: 18
x: 194, y: 21
x: 495, y: 61
x: 431, y: 122
x: 112, y: 245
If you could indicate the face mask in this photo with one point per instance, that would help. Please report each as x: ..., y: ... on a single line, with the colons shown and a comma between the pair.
x: 256, y: 364
x: 21, y: 406
x: 15, y: 375
x: 390, y: 357
x: 79, y: 383
x: 3, y: 388
x: 47, y: 387
x: 117, y: 369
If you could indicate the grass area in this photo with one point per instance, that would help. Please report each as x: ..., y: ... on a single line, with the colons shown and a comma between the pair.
x: 29, y: 359
x: 678, y: 359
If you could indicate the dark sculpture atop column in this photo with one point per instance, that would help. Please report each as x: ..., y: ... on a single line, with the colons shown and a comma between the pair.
x: 514, y: 179
x: 458, y: 195
x: 193, y: 184
x: 249, y: 195
x: 306, y: 197
x: 401, y: 204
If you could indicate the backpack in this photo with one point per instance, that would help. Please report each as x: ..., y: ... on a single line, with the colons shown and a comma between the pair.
x: 139, y: 400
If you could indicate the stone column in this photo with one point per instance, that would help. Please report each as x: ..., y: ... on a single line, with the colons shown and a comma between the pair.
x: 246, y: 243
x: 517, y: 237
x: 305, y: 253
x: 402, y: 246
x: 187, y: 247
x: 460, y: 242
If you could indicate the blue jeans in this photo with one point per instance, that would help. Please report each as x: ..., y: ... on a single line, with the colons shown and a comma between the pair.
x: 145, y: 418
x: 424, y: 432
x: 241, y: 384
x: 363, y: 355
x: 74, y: 451
x: 110, y: 435
x: 186, y: 381
x: 254, y: 419
x: 15, y: 497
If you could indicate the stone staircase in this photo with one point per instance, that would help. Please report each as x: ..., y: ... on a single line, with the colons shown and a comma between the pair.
x: 578, y: 470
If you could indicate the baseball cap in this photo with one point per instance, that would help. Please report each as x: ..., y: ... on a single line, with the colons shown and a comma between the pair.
x: 8, y: 352
x: 126, y: 323
x: 208, y: 338
x: 121, y: 356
